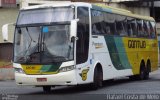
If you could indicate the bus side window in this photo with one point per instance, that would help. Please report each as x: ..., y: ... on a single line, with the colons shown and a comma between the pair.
x: 134, y: 27
x: 129, y: 27
x: 109, y: 20
x: 107, y: 28
x: 129, y: 30
x: 140, y: 28
x: 94, y: 29
x: 146, y: 29
x: 97, y: 22
x: 125, y: 26
x: 120, y: 25
x: 152, y: 29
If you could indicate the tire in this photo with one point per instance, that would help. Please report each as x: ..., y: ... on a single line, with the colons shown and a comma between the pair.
x: 46, y: 89
x: 142, y: 72
x: 97, y: 80
x: 146, y: 77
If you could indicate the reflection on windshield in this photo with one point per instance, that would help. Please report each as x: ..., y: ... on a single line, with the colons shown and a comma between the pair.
x: 45, y: 44
x: 45, y: 15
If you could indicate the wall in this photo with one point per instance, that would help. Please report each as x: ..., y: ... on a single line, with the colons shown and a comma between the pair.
x: 8, y: 15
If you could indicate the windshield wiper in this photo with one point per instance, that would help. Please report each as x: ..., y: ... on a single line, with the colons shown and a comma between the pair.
x: 23, y: 59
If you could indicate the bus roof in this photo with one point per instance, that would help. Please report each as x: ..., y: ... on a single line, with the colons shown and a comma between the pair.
x: 100, y: 7
x: 120, y: 11
x: 58, y: 4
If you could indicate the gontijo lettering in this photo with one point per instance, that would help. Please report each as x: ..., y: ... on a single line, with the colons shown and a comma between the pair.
x: 136, y: 44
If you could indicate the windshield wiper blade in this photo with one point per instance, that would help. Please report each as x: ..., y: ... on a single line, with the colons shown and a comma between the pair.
x: 23, y: 59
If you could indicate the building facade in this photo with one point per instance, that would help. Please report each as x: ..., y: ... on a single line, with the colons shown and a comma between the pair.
x: 8, y: 14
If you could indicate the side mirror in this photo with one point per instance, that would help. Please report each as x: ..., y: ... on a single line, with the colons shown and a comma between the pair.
x: 73, y: 38
x: 73, y: 28
x: 5, y: 31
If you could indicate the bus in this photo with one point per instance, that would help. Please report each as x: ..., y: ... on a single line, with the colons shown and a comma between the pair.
x: 81, y: 43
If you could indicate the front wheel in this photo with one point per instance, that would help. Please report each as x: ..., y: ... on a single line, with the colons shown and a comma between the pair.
x: 97, y: 80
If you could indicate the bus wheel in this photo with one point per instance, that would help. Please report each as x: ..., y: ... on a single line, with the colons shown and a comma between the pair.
x: 46, y: 89
x: 147, y: 71
x: 98, y: 78
x: 142, y: 72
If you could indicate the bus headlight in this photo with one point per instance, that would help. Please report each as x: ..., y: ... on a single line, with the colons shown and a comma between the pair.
x: 67, y: 68
x: 19, y: 70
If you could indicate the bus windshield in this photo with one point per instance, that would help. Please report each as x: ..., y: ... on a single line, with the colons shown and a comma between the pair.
x: 40, y: 44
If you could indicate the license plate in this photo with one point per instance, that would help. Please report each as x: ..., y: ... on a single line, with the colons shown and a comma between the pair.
x: 41, y: 79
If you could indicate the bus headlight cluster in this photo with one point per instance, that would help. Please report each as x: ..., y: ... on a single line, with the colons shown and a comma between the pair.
x: 19, y: 70
x: 67, y: 68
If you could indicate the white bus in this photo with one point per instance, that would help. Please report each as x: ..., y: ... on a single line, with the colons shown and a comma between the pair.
x: 81, y: 43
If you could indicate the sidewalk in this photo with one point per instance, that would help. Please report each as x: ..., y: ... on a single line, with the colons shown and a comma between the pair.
x: 6, y: 73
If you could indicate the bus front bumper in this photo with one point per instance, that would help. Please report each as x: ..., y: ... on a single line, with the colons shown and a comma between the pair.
x: 63, y: 78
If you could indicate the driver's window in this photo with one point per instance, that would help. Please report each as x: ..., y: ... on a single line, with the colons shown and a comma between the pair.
x: 82, y: 34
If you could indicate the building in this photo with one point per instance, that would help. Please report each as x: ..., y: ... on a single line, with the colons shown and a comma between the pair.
x: 8, y: 14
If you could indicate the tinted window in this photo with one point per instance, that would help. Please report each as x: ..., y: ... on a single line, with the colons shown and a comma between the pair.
x: 110, y: 23
x: 97, y: 22
x: 152, y: 29
x: 146, y: 29
x: 140, y: 28
x: 114, y: 24
x: 120, y: 25
x: 132, y: 27
x: 82, y: 34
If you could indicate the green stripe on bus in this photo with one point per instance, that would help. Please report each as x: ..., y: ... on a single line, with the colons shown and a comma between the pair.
x: 122, y: 53
x: 117, y: 52
x: 51, y: 68
x: 113, y: 52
